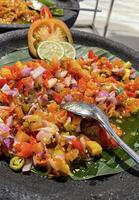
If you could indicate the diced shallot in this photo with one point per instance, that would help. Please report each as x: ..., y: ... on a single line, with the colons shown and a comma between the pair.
x: 43, y: 99
x: 112, y: 98
x: 68, y: 98
x: 8, y: 142
x: 37, y: 72
x: 4, y: 128
x: 102, y: 96
x: 26, y: 71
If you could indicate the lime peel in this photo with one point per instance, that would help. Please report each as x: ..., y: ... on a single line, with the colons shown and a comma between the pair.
x: 50, y: 48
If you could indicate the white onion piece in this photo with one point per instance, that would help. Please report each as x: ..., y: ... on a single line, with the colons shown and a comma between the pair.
x: 59, y: 87
x: 7, y: 90
x: 118, y: 70
x: 95, y: 68
x: 61, y: 74
x: 4, y: 107
x: 32, y: 109
x: 69, y: 137
x: 98, y: 99
x: 37, y: 72
x: 73, y: 82
x: 43, y: 134
x: 27, y: 165
x: 51, y: 130
x: 67, y: 81
x: 52, y: 82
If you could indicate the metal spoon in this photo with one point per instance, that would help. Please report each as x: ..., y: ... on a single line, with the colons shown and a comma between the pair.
x: 36, y: 5
x: 92, y: 111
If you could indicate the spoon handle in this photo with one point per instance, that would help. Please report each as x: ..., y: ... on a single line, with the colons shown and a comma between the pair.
x: 122, y: 144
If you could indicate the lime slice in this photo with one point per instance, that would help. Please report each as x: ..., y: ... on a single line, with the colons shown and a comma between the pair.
x: 69, y: 50
x: 50, y: 49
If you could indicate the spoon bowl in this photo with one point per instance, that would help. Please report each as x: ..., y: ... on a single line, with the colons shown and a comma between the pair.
x: 91, y: 111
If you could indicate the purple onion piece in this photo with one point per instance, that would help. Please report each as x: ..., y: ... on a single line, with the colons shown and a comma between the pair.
x: 68, y: 98
x: 103, y: 93
x: 8, y: 142
x: 4, y: 128
x: 112, y: 98
x: 26, y: 71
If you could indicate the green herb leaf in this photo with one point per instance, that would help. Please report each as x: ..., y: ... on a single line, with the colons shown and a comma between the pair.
x: 49, y: 3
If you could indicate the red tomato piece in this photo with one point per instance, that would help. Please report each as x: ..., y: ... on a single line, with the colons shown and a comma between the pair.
x: 77, y: 145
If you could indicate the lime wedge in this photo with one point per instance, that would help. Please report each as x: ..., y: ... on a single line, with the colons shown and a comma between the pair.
x: 50, y: 49
x: 69, y: 50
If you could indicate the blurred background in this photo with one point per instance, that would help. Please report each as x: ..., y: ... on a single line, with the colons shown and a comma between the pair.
x: 123, y: 22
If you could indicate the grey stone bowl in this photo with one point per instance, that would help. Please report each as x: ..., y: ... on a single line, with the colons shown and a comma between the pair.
x: 16, y: 186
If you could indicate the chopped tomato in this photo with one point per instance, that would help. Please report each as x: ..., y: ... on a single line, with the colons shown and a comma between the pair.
x: 45, y: 12
x: 16, y: 72
x: 82, y: 84
x: 2, y: 81
x: 47, y: 75
x: 92, y: 55
x: 131, y: 94
x: 37, y: 148
x: 104, y: 141
x: 20, y: 85
x: 57, y: 97
x: 25, y: 150
x: 77, y: 145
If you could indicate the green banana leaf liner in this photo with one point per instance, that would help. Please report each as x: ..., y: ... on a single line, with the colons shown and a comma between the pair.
x: 112, y: 161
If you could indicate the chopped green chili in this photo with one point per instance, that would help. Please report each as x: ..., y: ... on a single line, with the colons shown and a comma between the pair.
x: 16, y: 163
x: 49, y: 3
x: 57, y: 12
x: 119, y: 91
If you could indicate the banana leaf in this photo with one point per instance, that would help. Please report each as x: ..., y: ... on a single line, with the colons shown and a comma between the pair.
x: 111, y: 161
